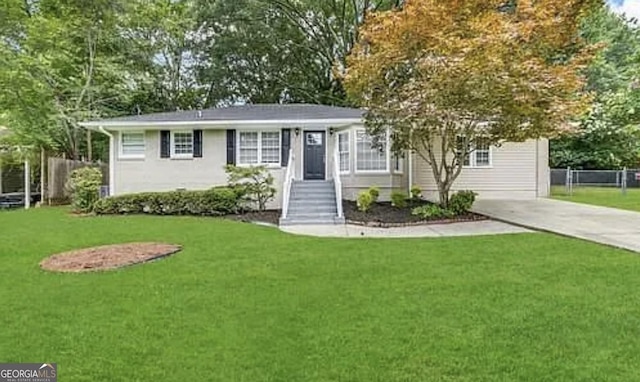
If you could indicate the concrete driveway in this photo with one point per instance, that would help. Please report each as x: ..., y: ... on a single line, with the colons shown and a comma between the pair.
x: 610, y: 226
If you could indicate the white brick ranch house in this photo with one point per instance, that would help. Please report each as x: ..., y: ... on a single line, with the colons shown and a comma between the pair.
x: 317, y: 154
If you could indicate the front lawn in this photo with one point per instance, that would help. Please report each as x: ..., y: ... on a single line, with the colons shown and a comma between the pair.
x: 600, y: 196
x: 249, y: 303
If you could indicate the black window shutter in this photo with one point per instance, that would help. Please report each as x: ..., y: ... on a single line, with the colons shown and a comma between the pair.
x: 285, y: 146
x: 165, y: 142
x: 197, y: 143
x: 231, y: 147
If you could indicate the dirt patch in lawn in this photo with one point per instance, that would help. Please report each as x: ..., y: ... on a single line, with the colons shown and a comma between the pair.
x: 107, y: 257
x: 269, y: 217
x: 383, y: 214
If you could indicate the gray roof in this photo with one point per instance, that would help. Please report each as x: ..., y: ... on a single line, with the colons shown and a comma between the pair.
x: 260, y: 112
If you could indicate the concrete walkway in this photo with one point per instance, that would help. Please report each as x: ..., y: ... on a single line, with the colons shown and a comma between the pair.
x: 486, y: 227
x: 610, y: 226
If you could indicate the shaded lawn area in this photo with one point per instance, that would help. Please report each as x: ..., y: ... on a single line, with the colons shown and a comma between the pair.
x: 600, y: 196
x: 249, y: 303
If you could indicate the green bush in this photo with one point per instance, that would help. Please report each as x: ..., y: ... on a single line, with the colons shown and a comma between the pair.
x: 462, y: 201
x: 416, y: 192
x: 398, y: 199
x: 217, y: 201
x: 365, y: 200
x: 84, y: 187
x: 256, y: 182
x: 432, y: 211
x: 375, y: 193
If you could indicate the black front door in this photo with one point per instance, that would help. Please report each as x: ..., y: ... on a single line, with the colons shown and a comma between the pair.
x: 314, y: 152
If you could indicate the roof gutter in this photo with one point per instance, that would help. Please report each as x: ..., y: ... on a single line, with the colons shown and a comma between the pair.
x: 222, y: 123
x: 112, y: 159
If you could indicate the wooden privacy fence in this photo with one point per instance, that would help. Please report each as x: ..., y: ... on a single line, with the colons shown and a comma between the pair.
x: 60, y: 169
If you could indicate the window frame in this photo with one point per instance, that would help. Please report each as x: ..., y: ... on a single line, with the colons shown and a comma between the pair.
x: 122, y: 154
x: 259, y: 163
x: 387, y: 169
x: 172, y: 145
x: 473, y: 157
x: 348, y: 152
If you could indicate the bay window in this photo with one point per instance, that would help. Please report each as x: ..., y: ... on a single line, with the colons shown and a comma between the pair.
x: 368, y: 157
x: 343, y: 151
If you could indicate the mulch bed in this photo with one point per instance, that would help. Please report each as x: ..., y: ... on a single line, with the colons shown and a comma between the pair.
x: 269, y: 217
x: 383, y: 214
x: 107, y: 257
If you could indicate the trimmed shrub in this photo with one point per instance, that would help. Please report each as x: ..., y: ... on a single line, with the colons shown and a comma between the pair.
x: 375, y: 193
x: 432, y: 211
x: 462, y: 201
x: 256, y: 183
x: 416, y: 192
x: 217, y: 201
x: 84, y: 187
x: 398, y: 199
x: 365, y: 200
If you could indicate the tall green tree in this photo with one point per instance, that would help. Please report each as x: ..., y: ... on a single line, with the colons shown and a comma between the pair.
x: 60, y: 69
x: 609, y: 136
x: 278, y: 50
x: 160, y: 37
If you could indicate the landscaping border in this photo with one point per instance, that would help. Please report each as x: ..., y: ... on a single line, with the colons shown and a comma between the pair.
x: 379, y: 224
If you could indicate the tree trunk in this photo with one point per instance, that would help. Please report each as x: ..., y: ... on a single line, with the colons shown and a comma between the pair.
x: 89, y: 148
x: 444, y: 166
x: 444, y: 190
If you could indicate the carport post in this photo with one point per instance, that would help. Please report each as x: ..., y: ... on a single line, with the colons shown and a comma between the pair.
x: 27, y: 185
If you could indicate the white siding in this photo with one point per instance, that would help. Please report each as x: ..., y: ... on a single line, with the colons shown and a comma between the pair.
x: 165, y: 174
x: 544, y: 171
x: 514, y: 173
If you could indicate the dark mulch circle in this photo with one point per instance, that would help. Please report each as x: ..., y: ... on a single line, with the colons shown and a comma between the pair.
x: 107, y: 257
x: 383, y: 214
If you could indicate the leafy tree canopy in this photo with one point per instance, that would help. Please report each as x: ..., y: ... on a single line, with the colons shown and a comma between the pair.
x: 609, y: 136
x: 437, y: 72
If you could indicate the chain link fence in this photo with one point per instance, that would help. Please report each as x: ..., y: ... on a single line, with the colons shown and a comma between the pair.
x: 571, y: 179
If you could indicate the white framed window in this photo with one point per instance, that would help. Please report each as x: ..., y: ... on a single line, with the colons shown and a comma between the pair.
x: 343, y: 151
x: 132, y: 144
x: 270, y: 147
x: 368, y: 158
x: 248, y: 147
x: 182, y: 144
x: 480, y: 154
x: 259, y: 148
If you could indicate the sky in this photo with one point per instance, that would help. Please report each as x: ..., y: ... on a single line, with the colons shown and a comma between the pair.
x: 630, y: 7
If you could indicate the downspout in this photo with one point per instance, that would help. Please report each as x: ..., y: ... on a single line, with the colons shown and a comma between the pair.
x: 410, y: 171
x: 537, y: 168
x: 410, y: 162
x: 112, y: 160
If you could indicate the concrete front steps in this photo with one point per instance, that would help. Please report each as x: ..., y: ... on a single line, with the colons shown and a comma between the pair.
x: 312, y: 202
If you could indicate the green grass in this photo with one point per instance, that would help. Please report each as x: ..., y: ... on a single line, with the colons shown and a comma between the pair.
x: 249, y: 303
x: 600, y: 196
